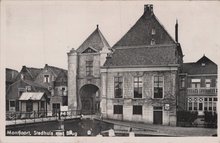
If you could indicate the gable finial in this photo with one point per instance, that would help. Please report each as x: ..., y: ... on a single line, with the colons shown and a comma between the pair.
x: 97, y: 26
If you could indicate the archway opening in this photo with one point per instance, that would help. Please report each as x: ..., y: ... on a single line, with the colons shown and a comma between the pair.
x: 90, y: 99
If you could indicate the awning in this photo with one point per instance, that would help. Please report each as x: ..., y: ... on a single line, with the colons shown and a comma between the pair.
x: 31, y: 96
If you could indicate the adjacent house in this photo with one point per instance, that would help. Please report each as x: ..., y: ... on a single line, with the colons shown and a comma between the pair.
x: 48, y: 78
x: 10, y: 76
x: 28, y: 73
x: 198, y: 86
x: 14, y: 95
x: 59, y: 99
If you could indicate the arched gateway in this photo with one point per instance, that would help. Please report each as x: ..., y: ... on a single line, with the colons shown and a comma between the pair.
x: 90, y: 99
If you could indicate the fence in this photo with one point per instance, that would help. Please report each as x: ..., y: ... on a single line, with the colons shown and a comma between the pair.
x: 40, y: 116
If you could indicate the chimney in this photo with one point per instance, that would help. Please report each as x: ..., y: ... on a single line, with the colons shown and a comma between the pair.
x: 176, y: 31
x: 148, y: 9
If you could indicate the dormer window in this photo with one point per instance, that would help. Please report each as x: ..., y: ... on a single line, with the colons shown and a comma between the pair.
x: 153, y: 31
x: 153, y: 42
x: 28, y: 88
x: 22, y: 76
x: 46, y: 78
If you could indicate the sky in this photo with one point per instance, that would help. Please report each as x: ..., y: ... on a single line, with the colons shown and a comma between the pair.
x: 43, y: 32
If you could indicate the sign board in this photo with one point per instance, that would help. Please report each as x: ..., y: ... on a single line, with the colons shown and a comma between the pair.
x: 167, y: 107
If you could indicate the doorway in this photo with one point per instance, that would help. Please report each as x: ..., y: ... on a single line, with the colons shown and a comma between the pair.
x: 89, y: 95
x: 158, y: 115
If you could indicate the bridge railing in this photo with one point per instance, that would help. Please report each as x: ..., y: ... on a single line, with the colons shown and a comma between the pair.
x: 38, y: 116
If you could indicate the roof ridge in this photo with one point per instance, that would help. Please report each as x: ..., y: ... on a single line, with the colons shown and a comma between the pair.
x: 145, y: 46
x: 163, y: 28
x: 56, y: 67
x: 87, y: 39
x: 104, y: 41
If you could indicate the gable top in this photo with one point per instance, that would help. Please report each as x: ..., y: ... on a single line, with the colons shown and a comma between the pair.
x: 10, y: 74
x: 146, y: 29
x: 203, y: 66
x: 56, y: 70
x: 33, y: 72
x: 61, y: 76
x: 96, y: 40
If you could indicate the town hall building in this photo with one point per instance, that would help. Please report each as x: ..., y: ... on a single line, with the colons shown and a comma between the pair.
x: 135, y: 80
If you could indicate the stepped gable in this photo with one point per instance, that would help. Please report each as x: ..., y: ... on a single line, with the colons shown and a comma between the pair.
x: 95, y: 41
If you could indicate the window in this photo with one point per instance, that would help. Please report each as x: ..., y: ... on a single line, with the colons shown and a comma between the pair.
x: 153, y: 42
x: 190, y: 106
x: 28, y: 88
x: 138, y: 87
x: 205, y: 106
x: 89, y: 68
x: 200, y: 106
x: 210, y: 106
x: 208, y: 83
x: 182, y: 80
x: 206, y: 99
x: 46, y: 78
x: 63, y: 90
x: 42, y: 104
x: 158, y: 87
x: 20, y: 91
x: 118, y: 86
x: 195, y: 83
x: 12, y: 103
x: 22, y: 76
x: 118, y: 109
x: 214, y: 106
x: 137, y: 110
x: 153, y: 31
x: 195, y: 106
x: 215, y: 99
x: 158, y: 108
x: 65, y: 100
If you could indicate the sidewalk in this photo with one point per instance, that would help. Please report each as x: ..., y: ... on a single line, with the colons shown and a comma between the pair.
x: 165, y: 130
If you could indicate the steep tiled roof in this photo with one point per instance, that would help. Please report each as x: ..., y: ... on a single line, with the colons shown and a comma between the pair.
x: 29, y: 72
x: 33, y: 71
x: 202, y: 66
x: 141, y: 32
x: 141, y: 56
x: 56, y: 70
x: 10, y: 75
x: 96, y: 40
x: 61, y: 75
x: 136, y: 48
